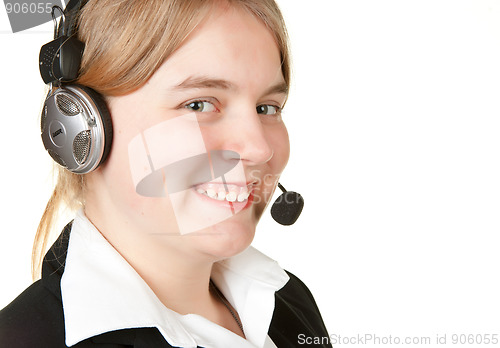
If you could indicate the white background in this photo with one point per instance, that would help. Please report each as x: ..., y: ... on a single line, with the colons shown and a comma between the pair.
x: 394, y: 120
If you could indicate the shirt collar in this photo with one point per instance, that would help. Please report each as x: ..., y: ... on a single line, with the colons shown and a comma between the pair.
x: 101, y: 292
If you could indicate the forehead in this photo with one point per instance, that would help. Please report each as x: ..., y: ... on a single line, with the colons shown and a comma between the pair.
x: 230, y: 44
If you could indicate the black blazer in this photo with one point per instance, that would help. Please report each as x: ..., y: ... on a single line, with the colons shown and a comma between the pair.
x: 35, y: 318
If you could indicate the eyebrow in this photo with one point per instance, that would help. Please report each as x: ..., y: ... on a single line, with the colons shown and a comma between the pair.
x: 280, y: 88
x: 200, y: 82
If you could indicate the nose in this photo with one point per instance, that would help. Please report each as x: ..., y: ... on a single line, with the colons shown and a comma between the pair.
x: 249, y: 137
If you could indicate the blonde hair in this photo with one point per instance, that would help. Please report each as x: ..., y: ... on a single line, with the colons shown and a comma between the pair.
x: 126, y: 41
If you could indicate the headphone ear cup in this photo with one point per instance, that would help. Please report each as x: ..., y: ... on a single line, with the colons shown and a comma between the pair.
x: 105, y: 116
x: 76, y: 126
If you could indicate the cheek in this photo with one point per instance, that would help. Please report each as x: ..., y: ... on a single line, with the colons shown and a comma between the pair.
x: 281, y: 145
x: 149, y: 214
x: 278, y: 139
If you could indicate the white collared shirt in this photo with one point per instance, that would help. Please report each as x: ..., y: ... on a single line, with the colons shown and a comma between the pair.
x: 101, y: 292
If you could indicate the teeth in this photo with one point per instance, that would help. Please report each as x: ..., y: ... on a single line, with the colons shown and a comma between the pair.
x: 211, y: 193
x: 243, y: 196
x: 236, y: 193
x: 231, y: 196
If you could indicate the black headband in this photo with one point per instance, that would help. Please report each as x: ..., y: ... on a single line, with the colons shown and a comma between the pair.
x: 71, y: 12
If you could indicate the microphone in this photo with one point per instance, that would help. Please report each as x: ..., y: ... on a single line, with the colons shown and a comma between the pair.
x: 287, y: 208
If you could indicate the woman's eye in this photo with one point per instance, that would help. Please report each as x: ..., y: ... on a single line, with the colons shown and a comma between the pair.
x: 267, y: 109
x: 200, y: 106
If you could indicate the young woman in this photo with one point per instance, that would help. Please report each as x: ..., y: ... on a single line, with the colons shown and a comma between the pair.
x: 159, y: 254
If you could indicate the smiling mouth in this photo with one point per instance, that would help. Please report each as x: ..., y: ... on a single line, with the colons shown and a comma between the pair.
x: 233, y: 193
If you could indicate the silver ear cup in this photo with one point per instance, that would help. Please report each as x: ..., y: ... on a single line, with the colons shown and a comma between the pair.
x: 72, y: 129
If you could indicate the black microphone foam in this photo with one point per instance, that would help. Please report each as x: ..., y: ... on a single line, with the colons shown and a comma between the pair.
x: 287, y: 208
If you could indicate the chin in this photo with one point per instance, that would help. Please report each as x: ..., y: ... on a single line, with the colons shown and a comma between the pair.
x: 226, y: 239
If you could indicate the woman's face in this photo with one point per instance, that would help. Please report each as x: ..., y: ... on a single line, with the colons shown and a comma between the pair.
x: 227, y: 77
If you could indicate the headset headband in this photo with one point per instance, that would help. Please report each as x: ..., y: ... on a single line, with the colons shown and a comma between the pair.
x: 71, y: 12
x: 60, y: 59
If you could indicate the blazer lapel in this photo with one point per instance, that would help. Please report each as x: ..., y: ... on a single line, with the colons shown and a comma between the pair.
x: 295, y: 315
x: 54, y: 261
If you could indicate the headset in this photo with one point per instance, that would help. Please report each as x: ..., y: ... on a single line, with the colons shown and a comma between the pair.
x: 75, y: 123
